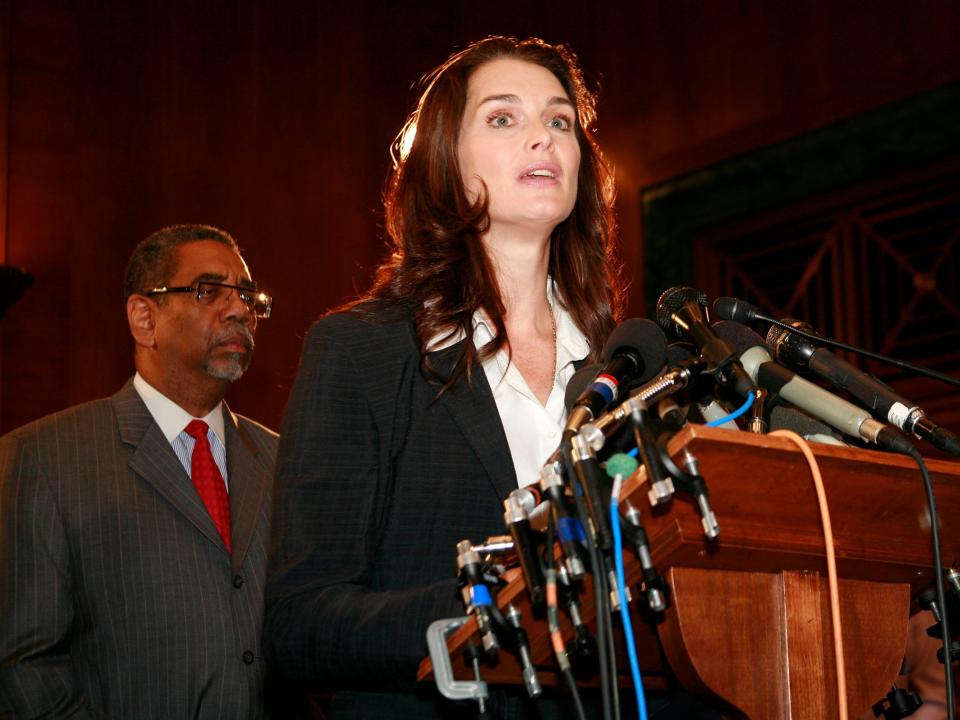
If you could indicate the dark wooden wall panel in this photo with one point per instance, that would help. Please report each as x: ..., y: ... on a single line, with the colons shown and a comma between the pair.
x: 4, y: 111
x: 273, y: 120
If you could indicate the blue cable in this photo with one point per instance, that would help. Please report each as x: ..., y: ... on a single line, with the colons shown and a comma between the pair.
x: 736, y: 413
x: 621, y: 580
x: 624, y: 612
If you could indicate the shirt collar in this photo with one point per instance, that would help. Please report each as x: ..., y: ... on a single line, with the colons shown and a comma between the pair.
x: 172, y: 418
x: 572, y: 344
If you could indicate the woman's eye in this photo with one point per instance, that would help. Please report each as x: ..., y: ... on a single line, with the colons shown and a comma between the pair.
x: 500, y: 120
x: 560, y: 123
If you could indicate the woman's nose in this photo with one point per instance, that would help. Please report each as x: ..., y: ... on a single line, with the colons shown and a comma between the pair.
x: 540, y: 138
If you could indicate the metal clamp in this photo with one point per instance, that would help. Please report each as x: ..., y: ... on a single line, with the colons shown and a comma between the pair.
x: 437, y: 635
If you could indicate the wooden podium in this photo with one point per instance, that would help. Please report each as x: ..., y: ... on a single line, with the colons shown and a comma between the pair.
x: 748, y: 624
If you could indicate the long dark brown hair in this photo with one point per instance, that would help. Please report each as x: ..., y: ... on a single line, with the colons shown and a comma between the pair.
x: 438, y: 264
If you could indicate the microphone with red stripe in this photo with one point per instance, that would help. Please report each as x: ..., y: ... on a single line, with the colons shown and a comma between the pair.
x: 635, y: 351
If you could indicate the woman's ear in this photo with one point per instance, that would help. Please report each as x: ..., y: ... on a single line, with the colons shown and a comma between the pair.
x: 141, y: 316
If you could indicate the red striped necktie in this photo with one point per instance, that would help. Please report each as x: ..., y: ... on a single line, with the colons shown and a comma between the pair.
x: 208, y: 481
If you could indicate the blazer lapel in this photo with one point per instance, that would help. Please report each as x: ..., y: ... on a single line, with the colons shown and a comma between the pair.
x: 250, y: 477
x: 475, y: 412
x: 154, y: 460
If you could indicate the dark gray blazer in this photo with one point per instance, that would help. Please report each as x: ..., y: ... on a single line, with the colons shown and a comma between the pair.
x: 377, y: 480
x: 117, y: 596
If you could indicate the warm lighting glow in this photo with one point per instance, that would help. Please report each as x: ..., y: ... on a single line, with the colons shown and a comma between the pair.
x: 406, y: 139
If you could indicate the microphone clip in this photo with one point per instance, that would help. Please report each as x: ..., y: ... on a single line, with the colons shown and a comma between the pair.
x: 666, y: 477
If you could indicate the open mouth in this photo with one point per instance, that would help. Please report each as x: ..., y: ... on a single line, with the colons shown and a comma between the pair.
x: 541, y: 174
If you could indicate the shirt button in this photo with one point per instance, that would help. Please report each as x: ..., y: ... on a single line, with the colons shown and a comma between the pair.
x: 238, y: 581
x: 247, y: 657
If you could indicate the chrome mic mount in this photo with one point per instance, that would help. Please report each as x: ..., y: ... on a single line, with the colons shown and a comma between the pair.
x: 517, y: 508
x: 530, y: 679
x: 477, y: 595
x: 652, y: 584
x: 569, y: 529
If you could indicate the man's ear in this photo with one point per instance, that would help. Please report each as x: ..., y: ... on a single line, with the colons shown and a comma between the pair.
x: 141, y: 316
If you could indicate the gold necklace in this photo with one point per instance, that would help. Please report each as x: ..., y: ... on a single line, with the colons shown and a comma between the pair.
x: 553, y: 321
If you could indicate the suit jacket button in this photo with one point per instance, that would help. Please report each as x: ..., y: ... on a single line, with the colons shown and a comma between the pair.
x: 238, y: 581
x: 247, y: 657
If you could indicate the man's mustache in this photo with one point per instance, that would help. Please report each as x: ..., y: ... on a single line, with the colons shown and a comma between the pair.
x: 233, y: 333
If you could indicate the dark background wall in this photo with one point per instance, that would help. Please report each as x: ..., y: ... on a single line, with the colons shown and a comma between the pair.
x: 273, y: 120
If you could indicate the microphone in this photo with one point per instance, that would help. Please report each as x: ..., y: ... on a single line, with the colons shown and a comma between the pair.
x: 681, y: 370
x: 787, y: 418
x: 679, y: 356
x: 799, y: 352
x: 826, y: 406
x: 783, y: 417
x: 741, y: 311
x: 578, y: 384
x: 682, y: 310
x: 635, y: 350
x: 728, y: 308
x: 740, y: 336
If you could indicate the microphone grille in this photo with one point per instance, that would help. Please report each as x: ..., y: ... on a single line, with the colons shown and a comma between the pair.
x: 774, y: 334
x: 789, y: 348
x: 671, y: 300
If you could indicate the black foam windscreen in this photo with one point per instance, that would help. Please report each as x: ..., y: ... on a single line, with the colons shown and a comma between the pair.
x: 642, y: 338
x: 676, y: 353
x: 740, y: 336
x: 579, y: 382
x: 790, y: 418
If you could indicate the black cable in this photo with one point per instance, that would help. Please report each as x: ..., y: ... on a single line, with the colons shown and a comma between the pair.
x: 938, y: 580
x: 611, y: 648
x: 572, y: 684
x: 597, y: 571
x: 567, y: 671
x: 603, y: 647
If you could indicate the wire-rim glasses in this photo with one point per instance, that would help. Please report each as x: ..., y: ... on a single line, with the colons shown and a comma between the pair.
x: 212, y: 293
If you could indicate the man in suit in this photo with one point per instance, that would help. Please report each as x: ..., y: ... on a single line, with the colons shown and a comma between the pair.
x: 134, y: 529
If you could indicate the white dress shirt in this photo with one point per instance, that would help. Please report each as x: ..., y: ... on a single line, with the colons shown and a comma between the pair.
x: 173, y: 419
x: 533, y: 430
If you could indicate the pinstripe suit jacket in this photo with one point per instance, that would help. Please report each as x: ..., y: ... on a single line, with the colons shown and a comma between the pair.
x: 377, y: 480
x: 117, y: 596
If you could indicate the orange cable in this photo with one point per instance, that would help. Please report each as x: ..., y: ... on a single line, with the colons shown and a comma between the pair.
x: 831, y: 565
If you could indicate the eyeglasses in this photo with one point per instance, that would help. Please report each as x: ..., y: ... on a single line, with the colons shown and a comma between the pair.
x: 212, y: 293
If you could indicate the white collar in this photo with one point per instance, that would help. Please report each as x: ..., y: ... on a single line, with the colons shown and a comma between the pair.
x: 572, y: 345
x: 172, y: 418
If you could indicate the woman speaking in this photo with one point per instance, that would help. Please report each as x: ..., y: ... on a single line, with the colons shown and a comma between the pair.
x: 418, y: 408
